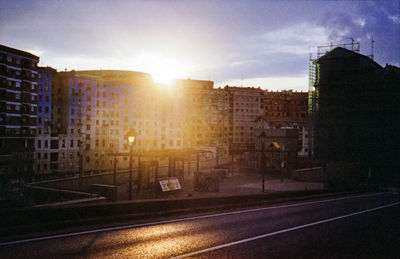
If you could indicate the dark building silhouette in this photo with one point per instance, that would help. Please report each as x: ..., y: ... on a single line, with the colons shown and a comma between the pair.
x: 355, y: 112
x: 18, y: 115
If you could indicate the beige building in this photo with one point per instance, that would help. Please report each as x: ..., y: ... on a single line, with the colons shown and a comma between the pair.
x: 247, y: 103
x: 91, y: 116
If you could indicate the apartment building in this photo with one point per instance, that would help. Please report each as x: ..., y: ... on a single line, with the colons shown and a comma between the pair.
x: 354, y: 109
x: 247, y: 103
x: 286, y: 106
x: 90, y: 119
x: 156, y: 114
x: 43, y: 139
x: 197, y: 111
x: 288, y: 109
x: 18, y: 113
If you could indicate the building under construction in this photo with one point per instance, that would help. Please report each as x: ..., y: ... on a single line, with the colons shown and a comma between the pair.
x: 354, y: 111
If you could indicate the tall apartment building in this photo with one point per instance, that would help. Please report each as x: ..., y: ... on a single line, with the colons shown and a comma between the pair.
x: 355, y: 111
x: 202, y: 121
x: 18, y: 113
x: 247, y: 103
x: 93, y: 111
x: 43, y: 139
x: 89, y: 119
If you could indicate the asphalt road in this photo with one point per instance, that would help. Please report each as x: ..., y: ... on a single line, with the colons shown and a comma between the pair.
x: 364, y: 226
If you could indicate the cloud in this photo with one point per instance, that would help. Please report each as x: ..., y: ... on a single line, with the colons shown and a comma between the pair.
x: 227, y: 40
x: 395, y: 19
x: 377, y: 20
x: 294, y: 39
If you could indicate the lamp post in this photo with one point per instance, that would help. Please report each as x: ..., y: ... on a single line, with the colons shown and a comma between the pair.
x: 262, y: 138
x: 131, y: 139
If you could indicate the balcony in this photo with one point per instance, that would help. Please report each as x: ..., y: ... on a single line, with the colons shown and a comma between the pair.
x: 27, y: 64
x: 27, y: 87
x: 26, y: 99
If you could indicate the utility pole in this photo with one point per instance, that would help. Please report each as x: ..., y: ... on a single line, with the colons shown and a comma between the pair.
x: 372, y: 48
x: 115, y: 171
x: 80, y: 155
x: 80, y: 171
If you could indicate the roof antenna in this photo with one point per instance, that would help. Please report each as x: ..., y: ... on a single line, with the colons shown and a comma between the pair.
x: 372, y: 48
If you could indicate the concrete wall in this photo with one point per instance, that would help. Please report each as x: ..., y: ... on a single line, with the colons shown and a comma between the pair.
x: 314, y: 174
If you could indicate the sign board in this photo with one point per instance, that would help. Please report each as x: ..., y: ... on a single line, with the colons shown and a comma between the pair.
x: 170, y: 184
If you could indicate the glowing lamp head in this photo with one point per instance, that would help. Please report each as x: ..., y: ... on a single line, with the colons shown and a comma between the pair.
x: 131, y: 135
x: 131, y: 139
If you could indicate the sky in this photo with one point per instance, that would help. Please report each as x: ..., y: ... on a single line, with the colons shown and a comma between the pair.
x: 242, y: 43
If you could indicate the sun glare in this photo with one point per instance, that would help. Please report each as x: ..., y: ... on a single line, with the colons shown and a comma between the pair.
x: 162, y: 69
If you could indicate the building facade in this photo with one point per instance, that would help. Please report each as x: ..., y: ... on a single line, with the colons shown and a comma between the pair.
x: 289, y: 109
x: 44, y: 111
x: 355, y: 110
x: 18, y: 113
x: 246, y: 104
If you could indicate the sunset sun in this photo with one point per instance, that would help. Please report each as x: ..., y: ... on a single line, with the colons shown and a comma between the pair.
x: 163, y: 69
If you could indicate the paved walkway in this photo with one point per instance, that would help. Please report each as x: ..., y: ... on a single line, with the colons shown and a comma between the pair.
x: 246, y: 184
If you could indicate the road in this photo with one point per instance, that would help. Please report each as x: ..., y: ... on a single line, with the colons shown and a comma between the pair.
x: 347, y: 227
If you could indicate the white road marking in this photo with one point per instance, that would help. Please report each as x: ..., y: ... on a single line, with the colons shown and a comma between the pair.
x: 280, y: 232
x: 178, y: 220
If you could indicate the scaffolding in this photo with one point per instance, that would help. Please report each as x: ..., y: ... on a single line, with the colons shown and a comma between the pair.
x: 313, y: 89
x: 353, y: 46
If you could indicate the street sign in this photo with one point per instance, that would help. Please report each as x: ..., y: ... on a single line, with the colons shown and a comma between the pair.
x: 169, y: 184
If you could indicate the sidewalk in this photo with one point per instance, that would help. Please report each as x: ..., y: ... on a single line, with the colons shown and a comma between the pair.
x: 247, y: 184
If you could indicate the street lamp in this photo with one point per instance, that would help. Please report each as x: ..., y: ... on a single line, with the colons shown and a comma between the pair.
x: 131, y: 135
x: 262, y: 138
